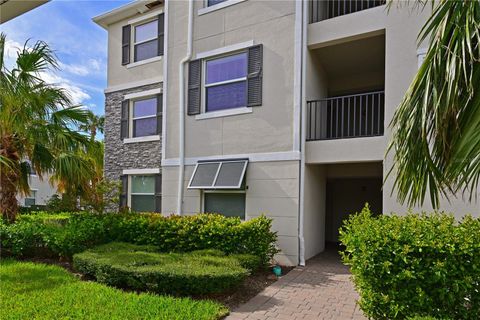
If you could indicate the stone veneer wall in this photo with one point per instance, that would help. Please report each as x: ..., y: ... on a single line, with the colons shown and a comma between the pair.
x: 118, y: 155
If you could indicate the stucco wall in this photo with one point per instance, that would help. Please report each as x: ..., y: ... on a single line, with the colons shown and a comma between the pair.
x: 44, y: 190
x: 121, y: 75
x: 272, y: 190
x: 269, y: 128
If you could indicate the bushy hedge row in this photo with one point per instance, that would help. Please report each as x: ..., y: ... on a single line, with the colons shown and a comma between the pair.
x: 143, y: 268
x: 66, y: 234
x: 414, y: 265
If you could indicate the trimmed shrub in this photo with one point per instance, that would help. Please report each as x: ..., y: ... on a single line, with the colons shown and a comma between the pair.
x: 142, y: 268
x: 68, y: 233
x: 416, y: 265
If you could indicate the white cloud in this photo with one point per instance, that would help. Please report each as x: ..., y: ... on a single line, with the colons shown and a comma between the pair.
x: 76, y: 93
x: 75, y: 69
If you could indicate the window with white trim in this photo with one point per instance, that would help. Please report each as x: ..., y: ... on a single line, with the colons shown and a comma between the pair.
x: 141, y: 117
x: 144, y: 117
x: 225, y: 82
x: 30, y: 200
x: 145, y: 40
x: 142, y: 193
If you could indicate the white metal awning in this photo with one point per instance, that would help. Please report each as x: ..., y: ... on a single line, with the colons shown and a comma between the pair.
x: 221, y: 174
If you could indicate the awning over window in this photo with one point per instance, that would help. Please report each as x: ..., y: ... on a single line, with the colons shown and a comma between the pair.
x: 225, y: 174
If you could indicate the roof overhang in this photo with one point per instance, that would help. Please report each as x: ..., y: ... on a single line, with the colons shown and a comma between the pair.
x: 10, y: 9
x: 124, y: 12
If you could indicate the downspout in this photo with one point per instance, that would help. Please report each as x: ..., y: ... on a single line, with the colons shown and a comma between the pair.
x: 301, y: 212
x: 181, y: 109
x: 165, y: 85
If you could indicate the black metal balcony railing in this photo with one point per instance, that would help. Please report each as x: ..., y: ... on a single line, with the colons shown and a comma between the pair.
x: 352, y: 116
x: 327, y: 9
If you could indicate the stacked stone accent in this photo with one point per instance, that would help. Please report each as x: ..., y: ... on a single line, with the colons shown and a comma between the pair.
x: 118, y: 155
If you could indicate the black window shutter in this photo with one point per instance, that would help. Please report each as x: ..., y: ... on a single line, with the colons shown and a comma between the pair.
x: 254, y: 77
x: 158, y: 193
x: 194, y: 86
x: 124, y: 191
x: 161, y: 32
x: 126, y: 35
x: 124, y: 119
x: 159, y: 113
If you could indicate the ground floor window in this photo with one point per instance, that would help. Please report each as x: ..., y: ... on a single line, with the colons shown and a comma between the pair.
x: 230, y: 204
x: 30, y: 200
x: 142, y: 193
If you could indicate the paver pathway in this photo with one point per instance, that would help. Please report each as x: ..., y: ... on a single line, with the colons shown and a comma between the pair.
x: 321, y: 290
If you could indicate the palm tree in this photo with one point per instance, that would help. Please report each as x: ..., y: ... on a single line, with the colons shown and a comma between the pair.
x: 94, y: 124
x: 37, y: 128
x: 436, y: 128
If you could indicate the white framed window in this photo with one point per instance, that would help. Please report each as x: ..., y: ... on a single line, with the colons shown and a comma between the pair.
x: 225, y: 82
x: 142, y: 193
x: 213, y: 5
x: 227, y: 203
x: 30, y: 200
x: 143, y: 120
x: 145, y: 40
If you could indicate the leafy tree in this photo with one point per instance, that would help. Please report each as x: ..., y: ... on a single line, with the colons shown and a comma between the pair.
x: 436, y: 128
x: 94, y: 125
x: 37, y: 128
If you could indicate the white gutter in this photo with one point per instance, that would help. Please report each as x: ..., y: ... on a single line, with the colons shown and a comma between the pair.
x: 301, y: 211
x: 181, y: 111
x: 165, y: 83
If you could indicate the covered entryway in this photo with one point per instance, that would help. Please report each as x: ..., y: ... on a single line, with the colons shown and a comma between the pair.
x: 349, y: 195
x: 332, y: 193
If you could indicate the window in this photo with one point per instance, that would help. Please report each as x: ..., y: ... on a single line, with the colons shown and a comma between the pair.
x: 230, y: 204
x: 141, y: 117
x: 145, y: 41
x: 146, y: 38
x: 142, y: 194
x: 144, y: 117
x: 30, y: 199
x: 226, y: 82
x: 214, y: 2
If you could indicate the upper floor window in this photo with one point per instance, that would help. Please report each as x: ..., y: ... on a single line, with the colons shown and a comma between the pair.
x: 226, y: 82
x: 144, y: 117
x: 147, y: 39
x: 214, y: 2
x: 141, y: 117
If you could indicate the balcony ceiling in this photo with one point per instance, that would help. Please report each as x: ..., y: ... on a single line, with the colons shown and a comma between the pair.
x: 364, y: 56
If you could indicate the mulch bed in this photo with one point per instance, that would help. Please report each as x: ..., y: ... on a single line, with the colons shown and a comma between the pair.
x: 249, y: 288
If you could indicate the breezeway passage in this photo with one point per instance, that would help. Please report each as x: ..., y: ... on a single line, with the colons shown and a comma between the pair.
x: 321, y: 290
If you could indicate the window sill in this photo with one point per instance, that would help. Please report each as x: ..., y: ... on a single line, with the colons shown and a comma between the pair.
x: 219, y: 6
x: 223, y: 113
x: 141, y: 139
x: 142, y: 62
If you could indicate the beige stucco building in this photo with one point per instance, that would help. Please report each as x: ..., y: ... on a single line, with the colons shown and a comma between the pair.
x: 259, y: 107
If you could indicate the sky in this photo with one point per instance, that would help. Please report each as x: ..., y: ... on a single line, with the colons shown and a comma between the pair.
x: 80, y: 45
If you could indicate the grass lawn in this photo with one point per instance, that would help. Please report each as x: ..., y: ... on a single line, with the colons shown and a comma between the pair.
x: 38, y: 291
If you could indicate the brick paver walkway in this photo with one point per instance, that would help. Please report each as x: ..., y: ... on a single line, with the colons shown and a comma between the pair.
x: 321, y: 290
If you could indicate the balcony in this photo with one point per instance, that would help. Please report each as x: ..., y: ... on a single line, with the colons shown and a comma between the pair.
x: 351, y: 116
x: 327, y: 9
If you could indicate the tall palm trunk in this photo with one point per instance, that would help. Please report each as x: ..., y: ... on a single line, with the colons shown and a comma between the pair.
x: 9, y: 180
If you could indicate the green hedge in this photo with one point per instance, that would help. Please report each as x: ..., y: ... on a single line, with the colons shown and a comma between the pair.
x: 68, y: 233
x: 143, y: 268
x: 414, y: 265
